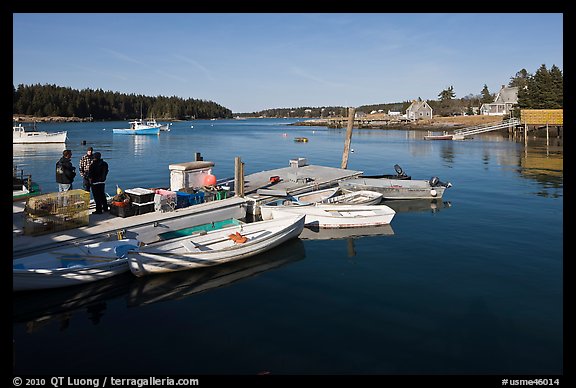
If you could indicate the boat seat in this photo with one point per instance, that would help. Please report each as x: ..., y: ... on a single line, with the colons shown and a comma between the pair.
x: 191, y: 247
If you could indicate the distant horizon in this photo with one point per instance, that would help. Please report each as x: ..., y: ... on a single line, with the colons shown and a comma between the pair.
x: 251, y: 62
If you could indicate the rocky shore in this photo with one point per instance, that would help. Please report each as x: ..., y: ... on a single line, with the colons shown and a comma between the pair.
x: 434, y: 124
x: 55, y: 119
x: 370, y: 121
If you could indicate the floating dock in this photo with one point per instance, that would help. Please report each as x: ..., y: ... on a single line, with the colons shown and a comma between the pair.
x: 144, y: 227
x: 297, y: 178
x: 259, y: 188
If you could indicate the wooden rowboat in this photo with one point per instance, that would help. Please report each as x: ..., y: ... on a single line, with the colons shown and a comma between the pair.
x: 215, y: 247
x: 71, y: 266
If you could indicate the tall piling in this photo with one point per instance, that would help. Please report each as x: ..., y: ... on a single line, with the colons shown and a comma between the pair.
x: 348, y: 138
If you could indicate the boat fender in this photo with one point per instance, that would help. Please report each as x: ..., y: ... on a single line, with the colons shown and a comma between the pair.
x: 433, y: 193
x: 434, y: 181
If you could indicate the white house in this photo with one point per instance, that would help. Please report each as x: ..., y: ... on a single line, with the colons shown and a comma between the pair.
x: 419, y: 110
x: 506, y: 98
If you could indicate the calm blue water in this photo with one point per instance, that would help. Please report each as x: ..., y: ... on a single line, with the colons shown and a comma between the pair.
x: 473, y: 286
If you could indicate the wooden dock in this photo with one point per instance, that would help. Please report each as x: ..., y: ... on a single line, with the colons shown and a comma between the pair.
x: 259, y: 189
x: 144, y: 227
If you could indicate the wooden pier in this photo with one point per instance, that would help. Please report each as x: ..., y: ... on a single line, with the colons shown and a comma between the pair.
x: 144, y: 227
x: 535, y: 119
x: 259, y: 188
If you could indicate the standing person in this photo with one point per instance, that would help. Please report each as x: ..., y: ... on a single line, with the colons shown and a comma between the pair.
x: 97, y: 173
x: 85, y: 162
x: 65, y: 171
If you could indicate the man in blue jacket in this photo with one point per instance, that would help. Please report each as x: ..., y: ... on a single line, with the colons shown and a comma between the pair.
x: 97, y: 173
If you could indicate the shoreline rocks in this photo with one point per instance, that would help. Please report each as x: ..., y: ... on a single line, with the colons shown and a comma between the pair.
x: 54, y: 119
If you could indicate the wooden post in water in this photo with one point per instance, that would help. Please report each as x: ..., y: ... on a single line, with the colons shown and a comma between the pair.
x: 525, y: 135
x: 351, y: 248
x: 348, y: 138
x: 238, y: 177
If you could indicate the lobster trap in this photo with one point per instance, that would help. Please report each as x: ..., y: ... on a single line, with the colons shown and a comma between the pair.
x: 54, y: 212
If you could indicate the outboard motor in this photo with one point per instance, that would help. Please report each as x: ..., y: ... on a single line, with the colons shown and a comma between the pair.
x: 399, y: 171
x: 435, y: 181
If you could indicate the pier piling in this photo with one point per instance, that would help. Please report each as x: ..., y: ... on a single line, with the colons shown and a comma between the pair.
x: 348, y: 138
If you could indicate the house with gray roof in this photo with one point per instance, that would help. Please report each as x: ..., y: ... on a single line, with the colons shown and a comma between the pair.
x: 419, y: 110
x: 506, y: 98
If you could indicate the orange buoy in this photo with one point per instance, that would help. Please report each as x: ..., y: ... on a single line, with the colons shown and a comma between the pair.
x: 209, y: 180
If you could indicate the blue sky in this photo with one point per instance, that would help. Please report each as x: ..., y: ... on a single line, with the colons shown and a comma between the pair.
x: 249, y: 62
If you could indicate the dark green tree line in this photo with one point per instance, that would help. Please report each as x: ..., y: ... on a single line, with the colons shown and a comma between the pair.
x: 51, y: 100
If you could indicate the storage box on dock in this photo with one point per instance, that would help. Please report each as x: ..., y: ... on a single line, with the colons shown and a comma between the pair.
x: 215, y: 195
x: 189, y: 174
x: 122, y: 211
x: 164, y: 200
x: 300, y: 162
x: 143, y: 208
x: 184, y: 199
x: 140, y: 195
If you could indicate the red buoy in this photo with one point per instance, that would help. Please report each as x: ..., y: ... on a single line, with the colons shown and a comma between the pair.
x: 210, y: 180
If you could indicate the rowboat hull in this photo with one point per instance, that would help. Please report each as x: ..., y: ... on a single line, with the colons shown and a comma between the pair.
x: 215, y: 247
x: 361, y: 197
x: 335, y: 216
x: 71, y: 266
x: 317, y: 195
x: 395, y: 188
x: 438, y: 137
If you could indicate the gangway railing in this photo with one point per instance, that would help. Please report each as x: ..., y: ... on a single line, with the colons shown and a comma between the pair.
x: 485, y: 128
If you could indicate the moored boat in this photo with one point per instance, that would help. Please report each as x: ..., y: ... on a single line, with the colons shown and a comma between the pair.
x: 163, y: 127
x: 400, y: 174
x: 444, y: 136
x: 215, y: 247
x: 332, y: 216
x: 138, y: 127
x: 23, y: 187
x: 398, y: 188
x: 22, y: 136
x: 71, y: 266
x: 315, y: 196
x: 362, y: 197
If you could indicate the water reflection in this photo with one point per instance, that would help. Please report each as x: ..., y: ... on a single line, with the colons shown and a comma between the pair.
x: 34, y: 150
x: 315, y: 233
x: 38, y: 309
x: 545, y: 165
x: 182, y: 284
x: 417, y: 205
x: 135, y: 145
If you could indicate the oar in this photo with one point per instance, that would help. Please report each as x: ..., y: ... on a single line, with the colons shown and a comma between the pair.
x: 65, y: 256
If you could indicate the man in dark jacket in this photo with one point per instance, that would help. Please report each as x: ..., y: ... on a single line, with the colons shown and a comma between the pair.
x: 65, y: 171
x: 84, y: 164
x: 97, y: 173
